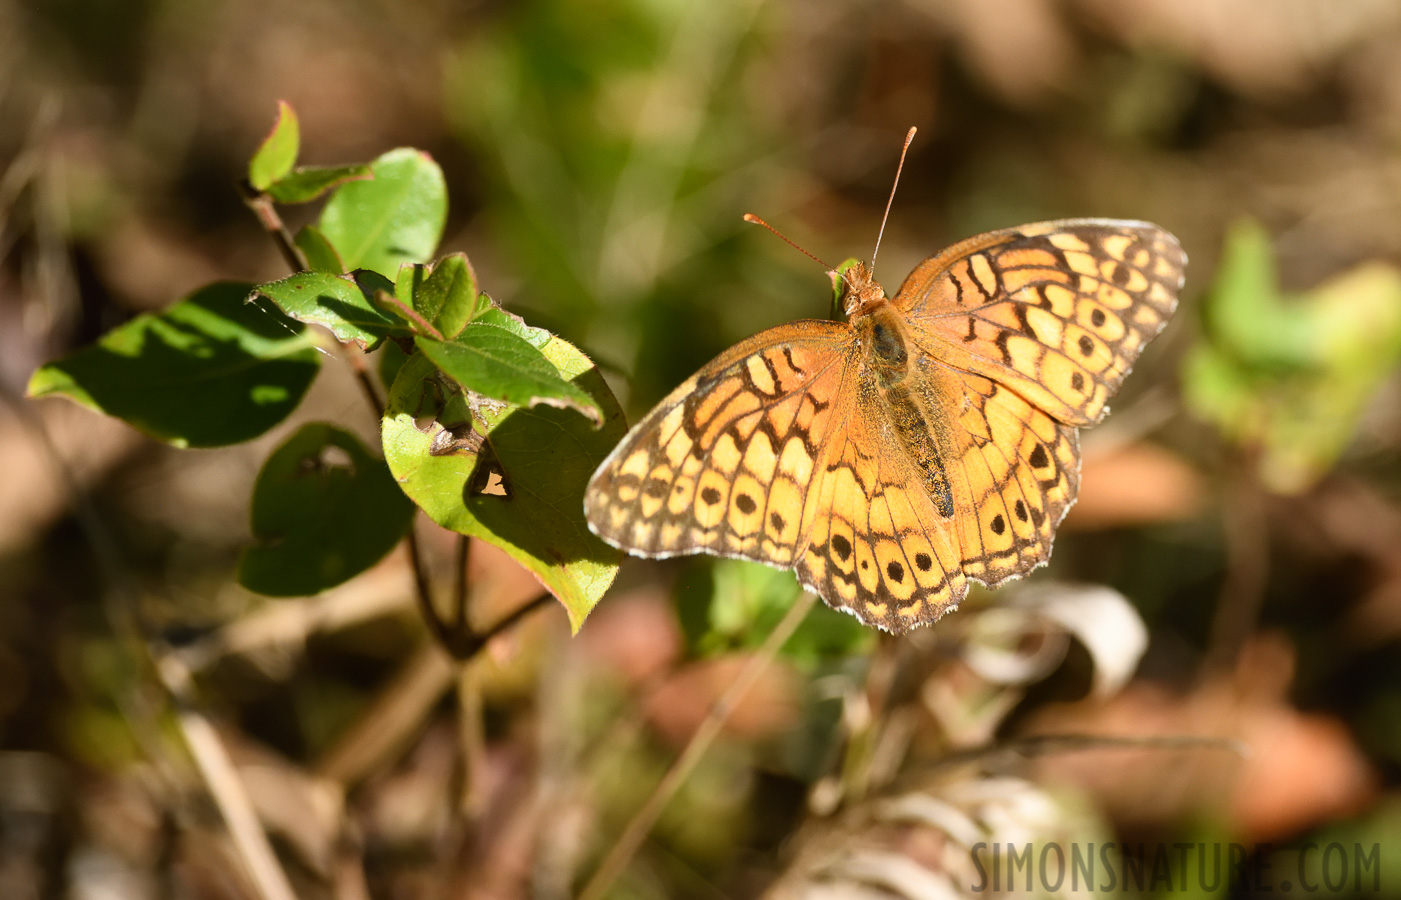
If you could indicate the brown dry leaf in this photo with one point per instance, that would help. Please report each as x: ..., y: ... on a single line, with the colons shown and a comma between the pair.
x: 677, y: 707
x: 1303, y: 769
x: 1135, y: 485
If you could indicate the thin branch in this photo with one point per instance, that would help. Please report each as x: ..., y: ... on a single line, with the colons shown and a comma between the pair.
x: 262, y: 206
x: 226, y: 787
x: 472, y: 734
x: 459, y: 588
x: 1247, y: 570
x: 445, y: 636
x: 642, y: 821
x: 1047, y: 744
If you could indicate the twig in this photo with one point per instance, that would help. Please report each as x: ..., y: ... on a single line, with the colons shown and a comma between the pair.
x: 459, y: 588
x: 474, y: 641
x: 226, y: 787
x: 643, y: 820
x: 262, y: 206
x: 1247, y: 571
x: 1047, y: 744
x: 407, y: 701
x: 471, y: 734
x: 423, y: 592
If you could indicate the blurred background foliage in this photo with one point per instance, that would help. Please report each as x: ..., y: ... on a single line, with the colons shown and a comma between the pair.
x: 1245, y: 495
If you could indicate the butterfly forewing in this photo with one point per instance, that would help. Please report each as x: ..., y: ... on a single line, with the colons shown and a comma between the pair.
x: 889, y: 461
x: 1058, y: 311
x: 725, y: 464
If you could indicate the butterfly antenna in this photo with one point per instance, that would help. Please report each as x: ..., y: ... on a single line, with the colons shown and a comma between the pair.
x: 750, y: 217
x: 910, y: 136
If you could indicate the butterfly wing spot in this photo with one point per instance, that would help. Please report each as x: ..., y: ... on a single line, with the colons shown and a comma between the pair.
x: 745, y: 518
x: 681, y: 495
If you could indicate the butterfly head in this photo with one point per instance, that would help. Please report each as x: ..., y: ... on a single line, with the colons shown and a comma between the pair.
x: 863, y: 292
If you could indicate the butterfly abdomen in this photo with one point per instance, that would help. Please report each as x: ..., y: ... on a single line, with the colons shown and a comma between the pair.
x: 913, y: 417
x: 918, y: 434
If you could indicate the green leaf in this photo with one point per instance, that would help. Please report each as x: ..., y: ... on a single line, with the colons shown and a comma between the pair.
x: 210, y: 370
x: 1289, y: 378
x: 448, y: 298
x: 306, y: 183
x: 732, y: 604
x: 1245, y: 312
x: 496, y: 363
x: 391, y: 359
x: 341, y: 303
x: 839, y: 288
x: 488, y: 313
x: 513, y: 476
x: 395, y: 218
x: 324, y: 510
x: 320, y: 255
x: 278, y: 152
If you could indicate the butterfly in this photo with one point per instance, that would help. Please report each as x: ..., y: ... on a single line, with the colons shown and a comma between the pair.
x: 927, y: 441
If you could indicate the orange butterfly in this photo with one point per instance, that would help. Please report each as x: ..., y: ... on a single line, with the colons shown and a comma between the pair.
x: 927, y: 441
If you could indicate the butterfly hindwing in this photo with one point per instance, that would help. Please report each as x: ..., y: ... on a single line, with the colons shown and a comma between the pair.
x: 1021, y: 469
x: 876, y: 542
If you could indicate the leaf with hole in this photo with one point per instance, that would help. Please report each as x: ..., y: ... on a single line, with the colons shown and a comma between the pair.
x: 511, y: 475
x: 324, y: 510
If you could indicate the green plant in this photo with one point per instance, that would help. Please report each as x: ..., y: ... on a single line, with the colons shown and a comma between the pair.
x: 490, y: 426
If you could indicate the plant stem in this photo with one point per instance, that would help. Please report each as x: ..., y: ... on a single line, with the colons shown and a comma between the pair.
x: 262, y: 206
x: 643, y: 820
x: 459, y: 591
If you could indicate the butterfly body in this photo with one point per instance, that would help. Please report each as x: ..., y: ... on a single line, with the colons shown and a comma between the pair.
x: 929, y: 440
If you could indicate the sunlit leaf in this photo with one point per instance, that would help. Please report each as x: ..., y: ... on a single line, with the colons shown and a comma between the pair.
x: 394, y: 218
x: 210, y: 370
x: 494, y: 362
x: 511, y: 475
x: 306, y: 183
x: 277, y: 153
x: 341, y: 303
